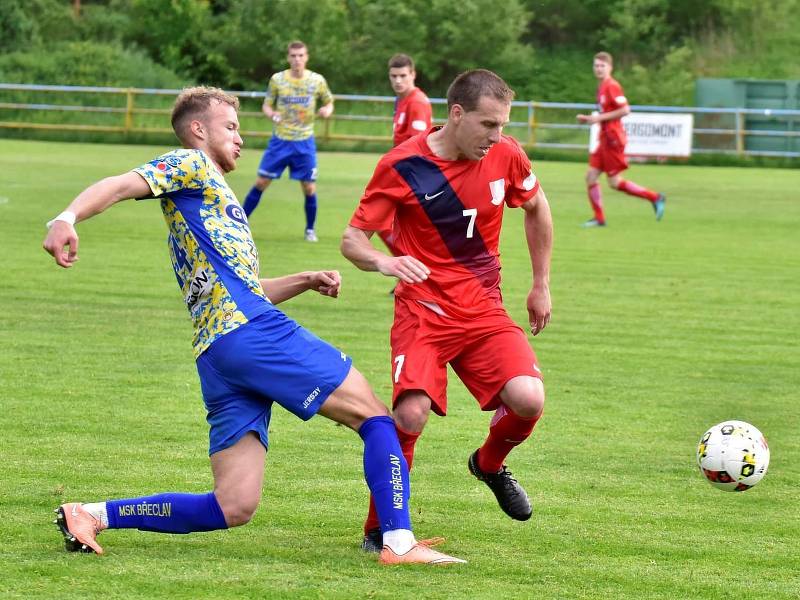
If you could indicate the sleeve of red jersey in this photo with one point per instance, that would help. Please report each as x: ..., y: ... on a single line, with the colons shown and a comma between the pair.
x: 419, y: 116
x: 617, y: 94
x: 375, y: 211
x: 523, y: 184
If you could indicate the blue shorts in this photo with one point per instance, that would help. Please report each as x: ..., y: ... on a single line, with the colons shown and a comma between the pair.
x: 299, y: 156
x: 269, y: 359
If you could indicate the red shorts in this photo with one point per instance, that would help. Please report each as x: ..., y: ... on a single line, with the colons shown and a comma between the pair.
x: 610, y: 160
x: 485, y: 353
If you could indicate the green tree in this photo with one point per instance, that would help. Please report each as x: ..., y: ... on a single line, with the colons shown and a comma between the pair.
x: 30, y: 23
x: 180, y: 34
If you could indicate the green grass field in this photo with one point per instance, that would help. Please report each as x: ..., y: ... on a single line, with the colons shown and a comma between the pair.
x: 659, y: 331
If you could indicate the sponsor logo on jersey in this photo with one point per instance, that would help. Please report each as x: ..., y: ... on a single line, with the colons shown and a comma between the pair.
x: 235, y: 212
x: 301, y: 100
x: 167, y: 162
x: 199, y: 287
x: 432, y: 196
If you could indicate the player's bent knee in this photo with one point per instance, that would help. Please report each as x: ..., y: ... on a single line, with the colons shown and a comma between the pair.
x: 524, y: 396
x: 411, y: 411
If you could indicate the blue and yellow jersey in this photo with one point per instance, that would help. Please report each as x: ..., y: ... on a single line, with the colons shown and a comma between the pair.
x: 212, y: 250
x: 296, y: 102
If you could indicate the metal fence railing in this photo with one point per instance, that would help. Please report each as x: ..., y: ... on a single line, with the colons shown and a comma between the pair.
x: 126, y: 111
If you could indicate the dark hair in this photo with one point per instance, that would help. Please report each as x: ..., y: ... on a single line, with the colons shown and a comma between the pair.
x: 295, y: 45
x: 398, y: 61
x: 468, y: 88
x: 194, y: 102
x: 605, y: 57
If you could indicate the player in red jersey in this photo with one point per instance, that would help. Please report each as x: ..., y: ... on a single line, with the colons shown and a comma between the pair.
x: 412, y: 115
x: 609, y: 157
x: 447, y: 190
x: 412, y: 109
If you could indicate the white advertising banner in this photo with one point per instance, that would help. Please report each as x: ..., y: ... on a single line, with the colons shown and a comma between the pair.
x: 653, y: 134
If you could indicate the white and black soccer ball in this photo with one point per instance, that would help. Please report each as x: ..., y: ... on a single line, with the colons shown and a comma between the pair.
x: 733, y: 456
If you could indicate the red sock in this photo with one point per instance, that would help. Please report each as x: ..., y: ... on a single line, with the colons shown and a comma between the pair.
x: 507, y: 431
x: 408, y: 441
x: 636, y: 190
x: 596, y: 200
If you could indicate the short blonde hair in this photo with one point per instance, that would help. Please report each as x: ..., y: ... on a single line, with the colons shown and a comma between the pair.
x: 194, y: 102
x: 605, y: 57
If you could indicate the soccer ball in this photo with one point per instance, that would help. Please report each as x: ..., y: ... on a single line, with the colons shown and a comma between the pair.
x: 733, y: 456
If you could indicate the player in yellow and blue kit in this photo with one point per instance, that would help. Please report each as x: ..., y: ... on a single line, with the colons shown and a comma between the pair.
x: 249, y: 354
x: 291, y: 101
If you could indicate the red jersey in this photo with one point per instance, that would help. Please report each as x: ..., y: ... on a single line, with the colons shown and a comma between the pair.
x: 412, y: 115
x: 611, y: 97
x: 448, y: 214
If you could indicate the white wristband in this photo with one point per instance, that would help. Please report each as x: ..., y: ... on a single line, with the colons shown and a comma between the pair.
x: 66, y: 216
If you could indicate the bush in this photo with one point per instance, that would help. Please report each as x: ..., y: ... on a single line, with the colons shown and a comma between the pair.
x: 86, y: 63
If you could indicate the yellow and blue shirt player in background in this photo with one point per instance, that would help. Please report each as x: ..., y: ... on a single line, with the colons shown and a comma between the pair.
x: 291, y: 103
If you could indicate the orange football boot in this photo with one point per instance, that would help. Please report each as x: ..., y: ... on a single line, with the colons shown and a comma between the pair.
x: 419, y: 554
x: 79, y: 528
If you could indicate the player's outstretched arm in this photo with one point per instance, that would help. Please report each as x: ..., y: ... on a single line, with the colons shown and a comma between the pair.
x: 279, y: 289
x: 539, y: 235
x: 62, y: 239
x: 357, y: 248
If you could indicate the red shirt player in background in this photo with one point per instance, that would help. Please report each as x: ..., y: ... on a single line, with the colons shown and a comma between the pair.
x: 412, y: 109
x: 412, y: 115
x: 447, y: 190
x: 609, y: 157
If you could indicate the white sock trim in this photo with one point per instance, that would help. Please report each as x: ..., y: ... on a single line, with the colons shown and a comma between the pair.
x: 98, y: 510
x: 399, y: 540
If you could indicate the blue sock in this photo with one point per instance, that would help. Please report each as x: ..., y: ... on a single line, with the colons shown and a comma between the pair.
x: 311, y: 211
x: 251, y: 200
x: 386, y: 472
x: 167, y: 513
